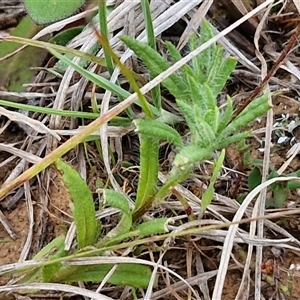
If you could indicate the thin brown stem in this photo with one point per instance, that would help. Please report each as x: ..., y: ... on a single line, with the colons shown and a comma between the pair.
x: 271, y: 73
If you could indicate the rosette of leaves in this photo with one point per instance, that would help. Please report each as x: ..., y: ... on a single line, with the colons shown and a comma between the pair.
x: 195, y: 87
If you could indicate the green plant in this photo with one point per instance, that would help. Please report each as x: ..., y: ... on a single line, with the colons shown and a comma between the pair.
x: 195, y: 88
x: 88, y: 235
x: 280, y: 190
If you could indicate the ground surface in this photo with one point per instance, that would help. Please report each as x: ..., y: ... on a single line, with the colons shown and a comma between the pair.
x: 42, y: 206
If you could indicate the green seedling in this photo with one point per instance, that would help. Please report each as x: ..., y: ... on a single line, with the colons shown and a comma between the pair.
x: 196, y: 88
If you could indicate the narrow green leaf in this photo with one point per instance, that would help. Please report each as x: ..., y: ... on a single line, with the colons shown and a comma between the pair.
x: 159, y: 131
x: 153, y: 227
x: 211, y: 118
x: 42, y: 273
x: 191, y: 154
x: 209, y: 193
x: 213, y: 68
x: 62, y: 38
x: 196, y: 94
x: 174, y: 53
x: 127, y: 73
x: 156, y: 64
x: 102, y: 13
x: 54, y: 245
x: 254, y: 105
x: 175, y: 176
x: 190, y: 115
x: 87, y: 227
x: 255, y: 109
x: 225, y: 116
x: 155, y: 92
x: 134, y: 275
x: 209, y: 97
x: 205, y: 133
x: 117, y: 200
x: 223, y: 74
x: 49, y: 270
x: 98, y: 80
x: 223, y: 143
x: 149, y: 164
x: 50, y: 111
x: 201, y: 132
x: 217, y: 167
x: 203, y: 61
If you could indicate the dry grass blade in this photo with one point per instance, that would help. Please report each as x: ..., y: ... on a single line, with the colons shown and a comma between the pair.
x: 54, y: 286
x: 20, y: 153
x: 34, y: 124
x: 228, y: 243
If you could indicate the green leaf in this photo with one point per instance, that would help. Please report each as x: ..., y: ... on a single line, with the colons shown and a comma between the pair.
x: 134, y: 275
x: 174, y: 53
x: 292, y: 184
x: 54, y: 249
x: 191, y: 154
x: 159, y: 131
x: 213, y: 68
x: 155, y: 92
x: 63, y: 37
x: 211, y: 117
x: 226, y: 115
x: 223, y: 73
x: 256, y: 108
x: 49, y: 270
x: 190, y: 115
x: 117, y: 200
x: 281, y: 192
x: 156, y: 64
x: 209, y: 97
x: 18, y: 69
x: 87, y: 226
x: 48, y: 11
x: 222, y: 143
x: 202, y: 62
x: 256, y: 105
x: 149, y: 164
x: 98, y: 80
x: 196, y: 93
x: 153, y: 227
x: 209, y: 193
x: 210, y: 66
x: 201, y: 132
x: 254, y: 179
